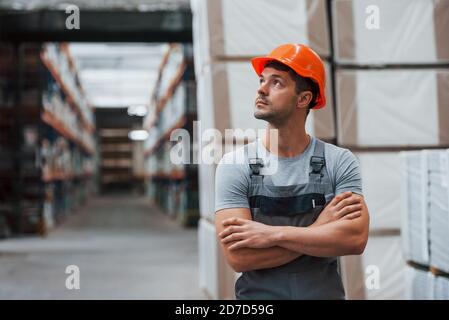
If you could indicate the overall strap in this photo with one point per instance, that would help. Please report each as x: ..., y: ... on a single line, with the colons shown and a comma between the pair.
x: 317, y: 162
x: 255, y: 163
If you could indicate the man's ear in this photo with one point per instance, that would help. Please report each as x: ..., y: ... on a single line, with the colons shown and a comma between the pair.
x: 304, y: 99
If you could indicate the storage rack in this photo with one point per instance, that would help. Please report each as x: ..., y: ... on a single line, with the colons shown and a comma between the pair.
x: 173, y: 106
x: 49, y: 135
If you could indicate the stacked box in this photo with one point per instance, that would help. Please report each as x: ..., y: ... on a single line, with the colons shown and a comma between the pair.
x: 438, y: 165
x: 234, y: 28
x: 392, y: 107
x: 415, y: 206
x: 216, y: 277
x: 378, y: 273
x: 381, y: 180
x: 419, y: 284
x: 390, y: 32
x: 441, y: 288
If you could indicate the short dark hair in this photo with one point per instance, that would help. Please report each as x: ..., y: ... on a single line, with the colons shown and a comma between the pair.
x: 302, y: 83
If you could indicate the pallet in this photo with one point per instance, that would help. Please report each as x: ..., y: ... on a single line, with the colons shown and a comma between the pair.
x: 438, y: 272
x: 418, y: 266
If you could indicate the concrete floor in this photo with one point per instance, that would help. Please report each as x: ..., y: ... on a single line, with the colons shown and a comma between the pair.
x: 124, y: 248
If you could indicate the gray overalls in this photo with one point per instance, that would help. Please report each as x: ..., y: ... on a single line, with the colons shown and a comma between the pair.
x: 294, y: 205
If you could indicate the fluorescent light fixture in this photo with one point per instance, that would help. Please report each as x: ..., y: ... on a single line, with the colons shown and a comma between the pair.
x: 138, y: 135
x: 137, y: 110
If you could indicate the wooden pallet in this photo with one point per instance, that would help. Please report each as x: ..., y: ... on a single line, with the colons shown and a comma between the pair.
x: 439, y: 272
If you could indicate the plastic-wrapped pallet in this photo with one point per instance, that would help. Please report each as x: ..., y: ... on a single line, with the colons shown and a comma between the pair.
x: 419, y: 284
x: 381, y: 182
x: 408, y: 31
x: 396, y: 107
x: 378, y: 273
x: 212, y: 153
x: 441, y: 288
x: 233, y: 28
x: 415, y: 206
x: 439, y: 208
x: 206, y: 183
x: 216, y: 277
x: 226, y: 93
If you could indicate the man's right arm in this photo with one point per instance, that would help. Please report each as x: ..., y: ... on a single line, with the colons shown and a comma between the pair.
x: 343, y: 206
x: 246, y: 259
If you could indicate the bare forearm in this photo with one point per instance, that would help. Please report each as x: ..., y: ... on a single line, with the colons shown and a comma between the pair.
x: 333, y: 239
x: 245, y: 259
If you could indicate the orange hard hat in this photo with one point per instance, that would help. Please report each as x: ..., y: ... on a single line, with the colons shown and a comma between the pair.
x: 303, y: 60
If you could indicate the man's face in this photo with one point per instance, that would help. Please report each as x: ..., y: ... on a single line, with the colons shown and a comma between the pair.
x: 276, y: 97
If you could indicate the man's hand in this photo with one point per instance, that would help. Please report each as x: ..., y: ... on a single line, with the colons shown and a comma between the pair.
x: 343, y: 206
x: 246, y: 233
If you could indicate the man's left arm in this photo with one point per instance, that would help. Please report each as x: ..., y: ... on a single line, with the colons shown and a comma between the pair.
x: 337, y: 238
x: 346, y: 236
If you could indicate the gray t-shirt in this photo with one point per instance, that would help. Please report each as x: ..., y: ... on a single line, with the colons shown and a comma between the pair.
x: 232, y: 177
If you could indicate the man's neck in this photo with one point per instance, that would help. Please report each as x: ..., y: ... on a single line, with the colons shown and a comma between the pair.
x: 291, y: 140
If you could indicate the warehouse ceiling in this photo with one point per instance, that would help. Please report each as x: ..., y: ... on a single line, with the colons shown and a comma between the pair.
x: 117, y: 75
x: 154, y: 21
x: 140, y: 5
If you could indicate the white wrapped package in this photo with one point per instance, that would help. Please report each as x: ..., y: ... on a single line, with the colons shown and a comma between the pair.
x: 415, y: 205
x: 381, y: 182
x: 441, y: 288
x: 206, y: 183
x: 391, y: 32
x: 216, y: 277
x: 439, y: 208
x: 378, y: 274
x: 226, y: 94
x: 234, y: 28
x: 321, y: 123
x: 419, y: 284
x: 392, y: 108
x: 208, y: 262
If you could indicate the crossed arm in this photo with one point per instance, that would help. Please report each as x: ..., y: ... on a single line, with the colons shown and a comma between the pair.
x: 341, y: 229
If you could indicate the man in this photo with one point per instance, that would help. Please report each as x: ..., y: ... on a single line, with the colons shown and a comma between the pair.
x: 285, y: 230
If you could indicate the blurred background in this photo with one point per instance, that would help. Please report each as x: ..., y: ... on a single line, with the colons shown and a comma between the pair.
x: 90, y: 92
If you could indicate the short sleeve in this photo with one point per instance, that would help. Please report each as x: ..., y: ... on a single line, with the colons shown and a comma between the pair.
x: 231, y: 186
x: 347, y: 174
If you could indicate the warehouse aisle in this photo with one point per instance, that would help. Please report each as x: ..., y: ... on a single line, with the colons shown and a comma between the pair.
x: 124, y: 250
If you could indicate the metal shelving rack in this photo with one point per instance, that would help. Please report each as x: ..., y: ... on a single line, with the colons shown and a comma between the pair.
x: 176, y: 192
x: 40, y: 198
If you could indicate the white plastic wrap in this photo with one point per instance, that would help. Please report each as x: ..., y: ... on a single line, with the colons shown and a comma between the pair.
x: 216, y: 277
x: 415, y: 206
x: 439, y: 209
x: 409, y: 31
x: 206, y: 185
x: 419, y: 284
x: 381, y: 182
x: 234, y: 28
x: 441, y: 288
x: 226, y: 95
x: 208, y: 258
x: 396, y: 107
x: 379, y: 273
